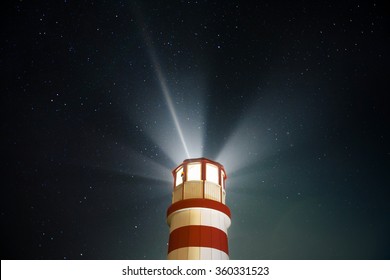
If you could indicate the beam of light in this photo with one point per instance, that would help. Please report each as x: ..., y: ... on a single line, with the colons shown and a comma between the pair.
x: 166, y: 93
x: 124, y: 160
x: 268, y: 128
x: 171, y: 108
x: 186, y: 121
x: 245, y: 146
x: 159, y: 128
x: 144, y: 166
x: 254, y: 138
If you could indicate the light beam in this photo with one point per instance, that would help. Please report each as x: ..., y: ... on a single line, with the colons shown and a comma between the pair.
x: 168, y: 99
x: 165, y: 92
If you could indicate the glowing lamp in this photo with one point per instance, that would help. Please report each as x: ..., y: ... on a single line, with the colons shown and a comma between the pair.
x: 198, y: 218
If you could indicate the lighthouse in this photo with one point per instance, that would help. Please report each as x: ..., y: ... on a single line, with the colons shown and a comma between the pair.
x: 198, y: 218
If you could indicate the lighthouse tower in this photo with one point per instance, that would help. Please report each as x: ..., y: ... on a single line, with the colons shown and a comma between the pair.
x: 198, y: 218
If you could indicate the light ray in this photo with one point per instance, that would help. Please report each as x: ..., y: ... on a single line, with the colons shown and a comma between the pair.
x: 165, y: 92
x: 171, y: 108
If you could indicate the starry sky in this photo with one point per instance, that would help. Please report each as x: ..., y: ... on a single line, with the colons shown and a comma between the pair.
x: 102, y: 99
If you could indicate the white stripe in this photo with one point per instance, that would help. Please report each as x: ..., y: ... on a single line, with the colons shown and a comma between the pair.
x: 199, y: 217
x: 197, y: 253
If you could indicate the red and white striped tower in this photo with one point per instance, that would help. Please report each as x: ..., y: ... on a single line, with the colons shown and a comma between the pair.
x: 198, y: 217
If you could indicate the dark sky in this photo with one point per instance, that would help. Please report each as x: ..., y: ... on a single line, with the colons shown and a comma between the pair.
x: 288, y: 95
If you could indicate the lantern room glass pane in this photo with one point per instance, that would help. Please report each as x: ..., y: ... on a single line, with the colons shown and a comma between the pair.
x: 212, y: 173
x: 194, y: 171
x: 179, y: 178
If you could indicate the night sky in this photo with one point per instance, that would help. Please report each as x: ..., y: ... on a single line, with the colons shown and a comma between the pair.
x: 102, y: 99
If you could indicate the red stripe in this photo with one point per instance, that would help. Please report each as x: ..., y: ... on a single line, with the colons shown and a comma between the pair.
x: 198, y: 236
x: 199, y: 202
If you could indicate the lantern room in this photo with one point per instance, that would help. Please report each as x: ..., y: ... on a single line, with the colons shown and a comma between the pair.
x: 199, y: 178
